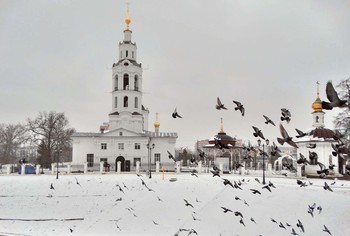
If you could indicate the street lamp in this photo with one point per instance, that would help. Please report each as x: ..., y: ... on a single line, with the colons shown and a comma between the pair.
x: 150, y: 147
x: 263, y: 154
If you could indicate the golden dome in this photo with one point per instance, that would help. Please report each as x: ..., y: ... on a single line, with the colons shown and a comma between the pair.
x: 156, y: 123
x: 317, y: 104
x: 127, y: 21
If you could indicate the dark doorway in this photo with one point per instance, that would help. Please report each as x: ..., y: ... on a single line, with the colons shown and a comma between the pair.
x: 127, y: 165
x: 122, y: 163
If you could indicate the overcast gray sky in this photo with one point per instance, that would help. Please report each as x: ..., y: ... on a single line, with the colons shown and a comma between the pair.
x: 57, y: 55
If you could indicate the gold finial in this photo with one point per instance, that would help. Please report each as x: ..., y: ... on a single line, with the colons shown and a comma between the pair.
x: 156, y: 123
x: 317, y: 104
x: 222, y: 127
x: 127, y: 18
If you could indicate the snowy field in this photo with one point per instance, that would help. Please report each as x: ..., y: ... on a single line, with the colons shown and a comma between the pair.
x: 97, y: 206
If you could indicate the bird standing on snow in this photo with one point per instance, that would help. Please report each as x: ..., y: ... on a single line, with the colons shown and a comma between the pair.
x: 51, y: 187
x: 239, y: 107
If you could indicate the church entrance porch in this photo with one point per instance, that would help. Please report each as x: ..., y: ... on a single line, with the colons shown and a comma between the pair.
x: 122, y: 163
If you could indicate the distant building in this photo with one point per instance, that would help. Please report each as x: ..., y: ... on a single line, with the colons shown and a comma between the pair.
x: 125, y: 137
x: 322, y: 138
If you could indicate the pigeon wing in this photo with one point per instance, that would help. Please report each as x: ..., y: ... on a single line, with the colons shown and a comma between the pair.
x: 283, y: 132
x: 331, y: 93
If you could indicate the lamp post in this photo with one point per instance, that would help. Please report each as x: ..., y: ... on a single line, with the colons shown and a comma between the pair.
x: 150, y: 147
x: 263, y: 154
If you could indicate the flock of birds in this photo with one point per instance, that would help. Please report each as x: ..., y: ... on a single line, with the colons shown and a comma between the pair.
x: 237, y: 185
x: 339, y: 149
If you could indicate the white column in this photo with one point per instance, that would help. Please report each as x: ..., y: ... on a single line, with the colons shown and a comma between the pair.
x: 269, y: 169
x: 8, y: 169
x: 37, y: 170
x: 199, y: 167
x: 85, y: 168
x: 52, y: 168
x: 119, y: 167
x: 137, y: 167
x: 23, y: 167
x: 221, y: 167
x: 243, y: 170
x: 177, y: 167
x: 69, y: 168
x: 101, y: 167
x: 344, y: 170
x: 157, y: 166
x: 299, y: 170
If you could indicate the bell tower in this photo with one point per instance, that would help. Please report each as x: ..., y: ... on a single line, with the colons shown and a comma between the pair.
x: 318, y: 114
x: 127, y: 109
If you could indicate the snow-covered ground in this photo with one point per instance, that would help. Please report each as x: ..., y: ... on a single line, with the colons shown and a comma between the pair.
x: 97, y: 206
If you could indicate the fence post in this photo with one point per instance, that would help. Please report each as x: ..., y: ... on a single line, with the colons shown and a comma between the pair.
x: 157, y: 166
x: 177, y: 167
x: 37, y: 170
x: 101, y: 167
x: 69, y: 168
x: 118, y: 167
x: 199, y: 167
x: 8, y: 169
x: 85, y: 168
x: 52, y: 168
x: 138, y: 167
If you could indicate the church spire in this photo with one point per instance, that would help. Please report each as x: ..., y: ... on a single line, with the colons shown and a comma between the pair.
x: 222, y: 127
x: 127, y: 18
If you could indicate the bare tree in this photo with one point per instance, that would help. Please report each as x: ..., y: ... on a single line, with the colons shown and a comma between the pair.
x: 50, y: 130
x: 11, y: 137
x: 342, y: 120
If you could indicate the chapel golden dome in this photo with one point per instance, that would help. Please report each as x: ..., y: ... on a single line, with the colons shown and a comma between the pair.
x: 127, y: 21
x: 317, y: 104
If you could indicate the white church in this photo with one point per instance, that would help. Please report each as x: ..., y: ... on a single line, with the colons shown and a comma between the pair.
x: 125, y: 138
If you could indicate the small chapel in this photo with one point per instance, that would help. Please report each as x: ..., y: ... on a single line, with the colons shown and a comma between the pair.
x: 316, y: 146
x: 125, y: 138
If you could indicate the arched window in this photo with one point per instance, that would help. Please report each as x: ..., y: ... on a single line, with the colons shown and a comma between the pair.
x: 136, y: 83
x: 121, y: 54
x: 133, y: 54
x: 115, y: 102
x: 126, y: 101
x: 116, y: 83
x: 317, y: 118
x: 136, y: 102
x: 127, y: 53
x: 126, y: 82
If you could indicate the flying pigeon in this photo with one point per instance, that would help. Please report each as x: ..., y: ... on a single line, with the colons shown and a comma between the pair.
x: 285, y: 138
x: 274, y: 221
x: 301, y: 226
x: 268, y: 120
x: 311, y: 145
x: 326, y: 187
x: 319, y: 208
x: 281, y: 225
x: 252, y: 219
x: 285, y: 115
x: 220, y: 145
x: 293, y: 232
x: 326, y: 230
x: 300, y: 133
x: 175, y: 114
x: 51, y: 187
x: 171, y: 156
x: 275, y: 151
x: 239, y: 107
x: 267, y: 187
x: 241, y: 222
x: 334, y: 100
x: 237, y: 213
x: 219, y: 105
x: 257, y: 132
x: 255, y: 191
x: 227, y: 182
x: 302, y: 159
x: 324, y: 171
x: 187, y: 203
x: 226, y: 209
